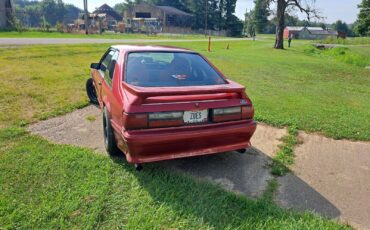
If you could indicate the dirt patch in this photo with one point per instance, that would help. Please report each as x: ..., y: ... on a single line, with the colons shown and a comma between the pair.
x: 334, y: 179
x: 83, y: 127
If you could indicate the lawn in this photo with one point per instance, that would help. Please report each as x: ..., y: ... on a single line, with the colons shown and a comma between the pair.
x: 316, y: 91
x: 48, y: 186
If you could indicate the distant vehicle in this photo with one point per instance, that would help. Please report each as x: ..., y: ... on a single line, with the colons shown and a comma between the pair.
x: 163, y: 103
x: 143, y: 25
x: 120, y: 28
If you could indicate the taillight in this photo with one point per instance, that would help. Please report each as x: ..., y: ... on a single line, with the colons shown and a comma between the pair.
x: 135, y: 121
x: 152, y: 120
x: 232, y: 113
x: 247, y: 112
x: 227, y: 114
x: 165, y: 119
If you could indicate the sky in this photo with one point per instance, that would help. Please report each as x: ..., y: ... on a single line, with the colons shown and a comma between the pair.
x: 332, y: 10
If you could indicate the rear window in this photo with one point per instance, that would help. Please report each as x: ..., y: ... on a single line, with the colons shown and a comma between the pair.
x: 166, y: 69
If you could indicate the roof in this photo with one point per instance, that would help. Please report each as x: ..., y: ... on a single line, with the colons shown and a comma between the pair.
x: 141, y: 48
x: 323, y: 32
x: 106, y: 9
x: 173, y: 10
x: 294, y: 28
x: 314, y: 28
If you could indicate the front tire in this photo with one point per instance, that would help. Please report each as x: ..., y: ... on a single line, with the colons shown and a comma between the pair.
x: 109, y: 139
x: 91, y: 92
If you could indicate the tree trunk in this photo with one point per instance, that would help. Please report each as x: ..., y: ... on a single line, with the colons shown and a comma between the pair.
x: 279, y: 41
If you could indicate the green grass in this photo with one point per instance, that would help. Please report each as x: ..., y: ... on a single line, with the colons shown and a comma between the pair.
x: 347, y: 41
x: 354, y: 55
x: 285, y: 156
x: 91, y: 118
x: 49, y: 186
x: 318, y: 93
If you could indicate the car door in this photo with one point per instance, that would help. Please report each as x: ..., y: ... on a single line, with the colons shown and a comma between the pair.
x: 110, y: 100
x: 98, y: 75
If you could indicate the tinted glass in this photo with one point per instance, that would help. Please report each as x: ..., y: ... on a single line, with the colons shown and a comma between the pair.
x: 161, y: 69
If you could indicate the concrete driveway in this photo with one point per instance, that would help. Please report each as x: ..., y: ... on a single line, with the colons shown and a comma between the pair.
x: 330, y: 177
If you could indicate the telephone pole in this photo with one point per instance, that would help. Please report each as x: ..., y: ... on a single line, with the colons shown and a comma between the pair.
x: 86, y: 17
x: 206, y: 20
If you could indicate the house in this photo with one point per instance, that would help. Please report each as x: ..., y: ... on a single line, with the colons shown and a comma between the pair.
x: 171, y: 19
x: 311, y: 33
x: 6, y: 10
x: 108, y: 14
x: 292, y: 31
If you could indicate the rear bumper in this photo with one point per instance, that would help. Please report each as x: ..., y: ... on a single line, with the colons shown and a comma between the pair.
x: 170, y: 143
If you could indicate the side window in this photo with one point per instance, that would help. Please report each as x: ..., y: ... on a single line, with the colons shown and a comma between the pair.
x: 110, y: 66
x: 105, y: 62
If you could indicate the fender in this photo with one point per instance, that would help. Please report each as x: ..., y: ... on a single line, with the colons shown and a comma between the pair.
x: 107, y: 103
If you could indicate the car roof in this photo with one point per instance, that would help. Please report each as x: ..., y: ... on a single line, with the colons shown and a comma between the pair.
x: 139, y: 48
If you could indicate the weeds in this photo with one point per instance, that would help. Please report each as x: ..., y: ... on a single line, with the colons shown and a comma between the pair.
x: 285, y: 156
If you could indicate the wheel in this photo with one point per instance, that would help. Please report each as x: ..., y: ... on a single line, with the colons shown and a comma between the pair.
x: 109, y: 140
x: 91, y: 93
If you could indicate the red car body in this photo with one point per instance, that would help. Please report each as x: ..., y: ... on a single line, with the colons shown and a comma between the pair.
x: 144, y: 141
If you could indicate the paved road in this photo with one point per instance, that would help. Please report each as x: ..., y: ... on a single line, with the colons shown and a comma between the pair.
x: 49, y: 41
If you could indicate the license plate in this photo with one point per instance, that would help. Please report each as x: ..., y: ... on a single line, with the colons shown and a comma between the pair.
x: 191, y: 117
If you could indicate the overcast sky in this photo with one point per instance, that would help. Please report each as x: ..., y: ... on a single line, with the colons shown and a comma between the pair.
x: 332, y: 10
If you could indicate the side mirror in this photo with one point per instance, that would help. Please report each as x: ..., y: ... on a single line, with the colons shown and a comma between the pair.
x: 95, y: 66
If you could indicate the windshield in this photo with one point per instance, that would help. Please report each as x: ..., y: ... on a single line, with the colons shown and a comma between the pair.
x: 166, y: 69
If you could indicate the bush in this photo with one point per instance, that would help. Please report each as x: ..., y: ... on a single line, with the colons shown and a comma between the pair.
x: 16, y: 24
x: 60, y: 27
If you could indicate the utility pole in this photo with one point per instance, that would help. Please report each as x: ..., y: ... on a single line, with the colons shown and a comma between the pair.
x: 206, y: 20
x: 86, y: 17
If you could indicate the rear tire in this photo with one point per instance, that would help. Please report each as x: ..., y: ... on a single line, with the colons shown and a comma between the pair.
x: 109, y: 139
x: 91, y: 93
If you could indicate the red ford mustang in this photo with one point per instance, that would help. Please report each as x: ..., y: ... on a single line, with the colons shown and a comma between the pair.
x: 163, y: 103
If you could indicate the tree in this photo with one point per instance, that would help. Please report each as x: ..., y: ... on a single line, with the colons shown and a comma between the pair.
x: 53, y: 10
x: 120, y: 7
x: 341, y: 26
x: 305, y: 6
x: 261, y: 14
x: 362, y: 26
x: 249, y: 27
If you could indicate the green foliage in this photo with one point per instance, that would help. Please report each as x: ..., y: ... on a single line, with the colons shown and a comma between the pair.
x: 45, y: 25
x: 32, y: 13
x: 347, y: 41
x: 60, y: 27
x: 341, y: 27
x: 261, y: 14
x: 363, y: 22
x: 49, y: 186
x: 16, y: 24
x: 342, y: 54
x: 53, y: 10
x: 285, y: 156
x: 249, y: 25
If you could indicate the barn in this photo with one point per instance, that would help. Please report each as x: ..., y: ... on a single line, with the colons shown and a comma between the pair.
x: 172, y: 19
x: 6, y: 10
x: 111, y: 17
x: 311, y: 33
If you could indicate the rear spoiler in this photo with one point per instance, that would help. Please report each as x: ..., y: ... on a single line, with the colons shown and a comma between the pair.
x: 145, y: 92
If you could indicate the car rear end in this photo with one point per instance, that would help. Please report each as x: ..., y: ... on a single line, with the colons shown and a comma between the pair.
x: 167, y: 122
